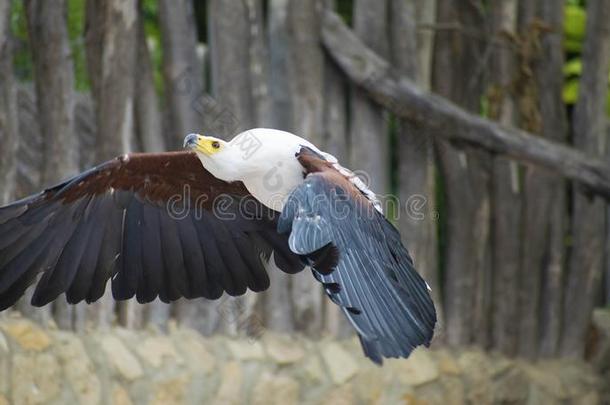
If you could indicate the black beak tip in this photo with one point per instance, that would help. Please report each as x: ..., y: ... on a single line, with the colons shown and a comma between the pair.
x: 190, y: 140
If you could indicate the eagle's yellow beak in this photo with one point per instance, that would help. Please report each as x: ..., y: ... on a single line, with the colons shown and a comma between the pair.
x: 208, y: 145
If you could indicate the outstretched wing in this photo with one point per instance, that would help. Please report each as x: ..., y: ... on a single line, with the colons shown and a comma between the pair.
x: 159, y: 225
x: 358, y: 257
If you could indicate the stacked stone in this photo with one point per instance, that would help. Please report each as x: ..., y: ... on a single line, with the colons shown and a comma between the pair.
x: 122, y: 367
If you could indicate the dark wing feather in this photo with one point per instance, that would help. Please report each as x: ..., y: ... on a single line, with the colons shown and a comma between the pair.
x: 258, y: 278
x: 59, y: 279
x: 108, y: 259
x: 146, y: 221
x: 358, y: 257
x: 84, y: 274
x: 151, y: 280
x: 175, y: 282
x: 129, y: 269
x: 193, y: 261
x: 218, y: 279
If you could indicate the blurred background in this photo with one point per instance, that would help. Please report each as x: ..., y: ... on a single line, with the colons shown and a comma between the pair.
x: 516, y: 256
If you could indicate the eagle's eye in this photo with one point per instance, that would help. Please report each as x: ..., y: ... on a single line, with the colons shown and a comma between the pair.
x: 215, y: 144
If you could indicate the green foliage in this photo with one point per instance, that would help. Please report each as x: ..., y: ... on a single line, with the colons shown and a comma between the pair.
x: 345, y: 9
x: 572, y: 67
x: 575, y: 20
x: 150, y: 16
x: 200, y: 9
x: 571, y: 71
x: 574, y: 37
x: 150, y: 12
x: 76, y: 35
x: 22, y: 61
x: 22, y: 57
x: 570, y: 91
x: 484, y: 106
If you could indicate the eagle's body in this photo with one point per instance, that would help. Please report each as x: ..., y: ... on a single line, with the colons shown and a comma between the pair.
x: 201, y: 223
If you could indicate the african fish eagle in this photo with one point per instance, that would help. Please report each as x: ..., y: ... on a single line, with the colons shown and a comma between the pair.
x: 205, y: 221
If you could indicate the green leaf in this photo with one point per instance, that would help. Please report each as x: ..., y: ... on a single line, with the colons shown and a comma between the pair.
x: 22, y: 60
x: 76, y: 33
x: 573, y: 67
x: 572, y: 45
x: 574, y: 26
x: 570, y: 91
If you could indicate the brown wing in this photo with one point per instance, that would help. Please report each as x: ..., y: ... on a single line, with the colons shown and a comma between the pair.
x: 159, y: 225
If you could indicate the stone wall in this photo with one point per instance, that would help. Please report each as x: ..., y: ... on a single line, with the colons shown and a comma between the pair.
x: 46, y: 366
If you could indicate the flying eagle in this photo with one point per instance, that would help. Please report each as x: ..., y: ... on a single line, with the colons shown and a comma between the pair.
x: 204, y: 221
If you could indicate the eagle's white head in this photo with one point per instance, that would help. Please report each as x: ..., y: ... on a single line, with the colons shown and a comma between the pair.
x: 218, y: 156
x: 263, y: 159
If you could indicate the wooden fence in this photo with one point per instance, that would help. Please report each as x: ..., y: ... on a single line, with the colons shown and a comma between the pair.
x: 514, y: 254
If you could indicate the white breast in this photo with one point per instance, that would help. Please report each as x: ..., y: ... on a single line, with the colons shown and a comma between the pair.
x: 276, y: 180
x: 274, y: 172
